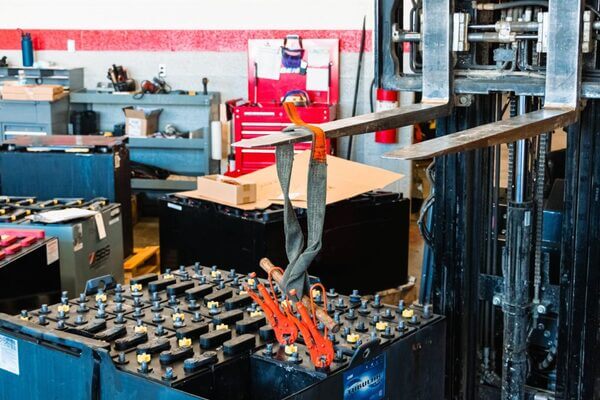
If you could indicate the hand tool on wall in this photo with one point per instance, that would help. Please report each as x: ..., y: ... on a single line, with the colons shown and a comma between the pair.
x: 205, y: 86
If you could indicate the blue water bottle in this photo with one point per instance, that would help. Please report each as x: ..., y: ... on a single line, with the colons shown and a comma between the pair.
x: 27, y: 49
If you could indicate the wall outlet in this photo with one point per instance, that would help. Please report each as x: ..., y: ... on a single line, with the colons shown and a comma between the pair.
x: 162, y: 70
x: 71, y: 45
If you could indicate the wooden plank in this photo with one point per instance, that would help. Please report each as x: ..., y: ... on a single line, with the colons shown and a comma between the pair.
x: 505, y: 131
x: 389, y: 119
x: 140, y: 257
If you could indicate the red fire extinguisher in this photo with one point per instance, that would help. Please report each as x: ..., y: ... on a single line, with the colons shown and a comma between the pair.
x: 386, y: 100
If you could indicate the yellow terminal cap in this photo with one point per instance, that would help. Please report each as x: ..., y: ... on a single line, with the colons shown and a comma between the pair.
x: 315, y: 293
x: 352, y: 338
x: 381, y: 325
x: 250, y: 281
x: 140, y: 329
x: 185, y: 342
x: 22, y: 318
x: 168, y: 276
x: 256, y: 313
x: 212, y: 304
x: 143, y: 358
x: 285, y: 304
x: 221, y: 327
x: 181, y: 316
x: 214, y: 274
x: 136, y: 288
x: 63, y: 307
x: 408, y: 313
x: 291, y: 349
x: 101, y: 297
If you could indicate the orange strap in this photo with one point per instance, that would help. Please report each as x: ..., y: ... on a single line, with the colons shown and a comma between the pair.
x: 319, y: 144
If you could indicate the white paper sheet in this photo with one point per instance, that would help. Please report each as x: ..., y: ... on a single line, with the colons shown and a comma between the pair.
x: 268, y: 61
x: 317, y: 79
x: 318, y: 57
x: 57, y: 216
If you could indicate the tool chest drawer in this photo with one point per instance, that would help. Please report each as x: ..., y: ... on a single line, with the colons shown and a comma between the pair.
x: 254, y: 121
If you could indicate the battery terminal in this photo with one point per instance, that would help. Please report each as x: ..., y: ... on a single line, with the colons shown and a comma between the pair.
x: 178, y: 316
x: 291, y: 349
x: 136, y: 287
x: 63, y: 307
x: 381, y: 325
x: 141, y: 358
x: 140, y: 329
x: 352, y: 338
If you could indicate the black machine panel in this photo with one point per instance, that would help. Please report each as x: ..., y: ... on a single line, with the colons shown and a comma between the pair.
x: 29, y: 270
x: 366, y: 233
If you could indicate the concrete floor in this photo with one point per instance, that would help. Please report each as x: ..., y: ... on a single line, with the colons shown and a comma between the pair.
x: 145, y: 233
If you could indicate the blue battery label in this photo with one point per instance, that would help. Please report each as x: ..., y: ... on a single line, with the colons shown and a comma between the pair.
x: 367, y: 381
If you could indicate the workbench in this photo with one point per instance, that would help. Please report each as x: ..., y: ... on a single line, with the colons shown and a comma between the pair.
x: 190, y: 157
x: 38, y: 117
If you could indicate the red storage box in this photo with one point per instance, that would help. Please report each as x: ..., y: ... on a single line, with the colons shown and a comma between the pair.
x: 264, y: 114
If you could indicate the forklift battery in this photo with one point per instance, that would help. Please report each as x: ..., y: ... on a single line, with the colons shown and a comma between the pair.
x: 195, y: 333
x: 70, y: 166
x: 90, y: 246
x: 366, y: 233
x: 29, y: 270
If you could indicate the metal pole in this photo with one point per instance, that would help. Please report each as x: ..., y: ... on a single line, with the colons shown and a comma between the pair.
x: 516, y: 265
x: 521, y: 160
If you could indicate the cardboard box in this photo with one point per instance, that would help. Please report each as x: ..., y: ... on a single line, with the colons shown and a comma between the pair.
x: 140, y: 122
x: 14, y: 91
x: 222, y: 189
x: 345, y: 179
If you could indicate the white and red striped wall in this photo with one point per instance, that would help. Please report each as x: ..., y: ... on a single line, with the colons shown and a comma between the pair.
x: 194, y: 39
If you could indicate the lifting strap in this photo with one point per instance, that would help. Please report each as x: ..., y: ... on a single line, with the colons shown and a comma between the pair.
x: 295, y: 275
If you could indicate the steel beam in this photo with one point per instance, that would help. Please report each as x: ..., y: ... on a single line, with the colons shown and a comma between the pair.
x: 505, y: 131
x: 389, y: 119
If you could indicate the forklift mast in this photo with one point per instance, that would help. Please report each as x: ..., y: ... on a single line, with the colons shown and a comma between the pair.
x: 514, y: 225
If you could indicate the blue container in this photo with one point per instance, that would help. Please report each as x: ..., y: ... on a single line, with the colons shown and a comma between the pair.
x: 27, y: 49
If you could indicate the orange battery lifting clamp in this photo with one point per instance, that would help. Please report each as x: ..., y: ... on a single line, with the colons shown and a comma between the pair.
x: 285, y: 330
x: 319, y: 346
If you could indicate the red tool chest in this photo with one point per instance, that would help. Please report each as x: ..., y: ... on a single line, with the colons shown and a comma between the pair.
x: 263, y: 114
